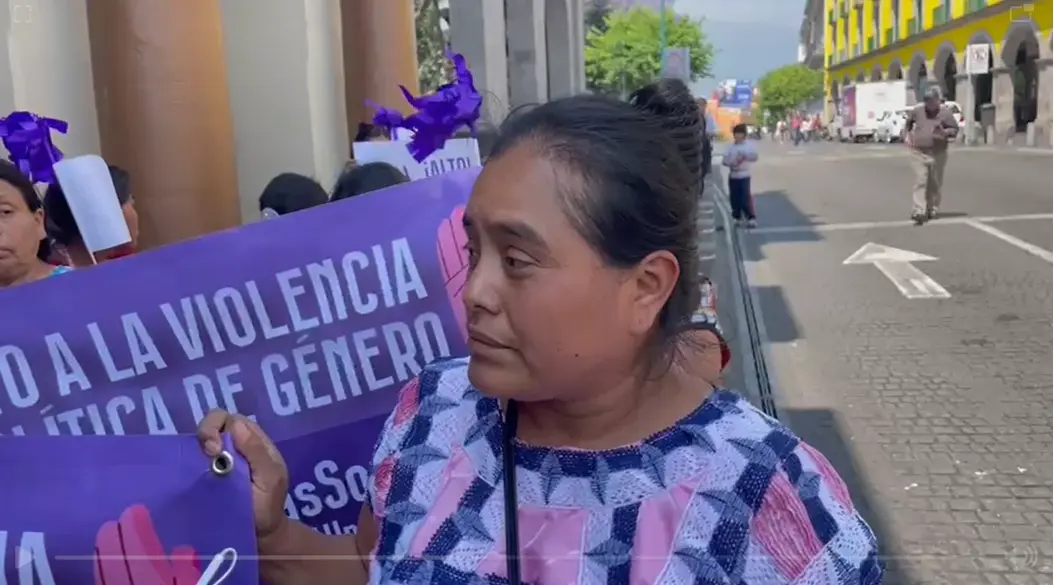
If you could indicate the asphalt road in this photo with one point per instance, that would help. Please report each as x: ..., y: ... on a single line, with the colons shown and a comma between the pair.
x: 936, y: 410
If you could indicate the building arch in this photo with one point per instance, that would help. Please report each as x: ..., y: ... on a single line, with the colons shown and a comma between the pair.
x: 896, y: 70
x: 917, y: 70
x: 1020, y: 50
x: 1022, y: 34
x: 860, y: 77
x: 836, y: 91
x: 945, y: 69
x: 876, y: 73
x: 981, y: 37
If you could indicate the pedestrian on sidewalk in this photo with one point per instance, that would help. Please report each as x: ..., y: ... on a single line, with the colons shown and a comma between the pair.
x: 738, y: 158
x: 929, y: 129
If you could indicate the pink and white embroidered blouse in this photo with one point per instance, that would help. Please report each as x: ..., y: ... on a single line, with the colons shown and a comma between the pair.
x: 726, y: 496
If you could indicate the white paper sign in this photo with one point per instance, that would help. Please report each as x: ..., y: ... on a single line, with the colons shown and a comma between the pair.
x: 977, y: 58
x: 456, y: 154
x: 93, y: 201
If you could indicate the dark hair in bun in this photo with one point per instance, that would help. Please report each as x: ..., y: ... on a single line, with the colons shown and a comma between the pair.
x: 679, y: 113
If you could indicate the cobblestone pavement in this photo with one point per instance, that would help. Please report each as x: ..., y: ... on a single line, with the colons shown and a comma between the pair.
x: 937, y: 411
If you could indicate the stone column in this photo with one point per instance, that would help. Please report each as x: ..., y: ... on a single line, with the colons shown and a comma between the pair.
x: 164, y: 112
x: 578, y: 44
x: 380, y: 54
x: 964, y: 94
x: 525, y: 34
x: 290, y: 51
x: 45, y: 67
x: 477, y: 31
x: 1045, y: 103
x: 1003, y: 99
x: 560, y: 36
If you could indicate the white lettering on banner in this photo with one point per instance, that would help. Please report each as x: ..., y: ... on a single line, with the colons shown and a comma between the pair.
x: 30, y: 558
x: 13, y: 364
x: 315, y: 373
x: 291, y: 382
x: 109, y: 419
x: 68, y: 370
x: 332, y: 488
x: 201, y: 392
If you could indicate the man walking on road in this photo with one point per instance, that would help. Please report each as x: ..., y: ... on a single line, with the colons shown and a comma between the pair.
x: 929, y: 129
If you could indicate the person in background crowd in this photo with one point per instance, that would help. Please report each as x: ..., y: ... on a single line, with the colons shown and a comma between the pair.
x: 929, y: 129
x: 63, y: 230
x: 738, y: 158
x: 671, y: 101
x: 806, y: 128
x: 795, y: 125
x: 781, y: 130
x: 359, y: 179
x: 370, y: 133
x: 289, y: 192
x: 581, y: 233
x: 24, y: 246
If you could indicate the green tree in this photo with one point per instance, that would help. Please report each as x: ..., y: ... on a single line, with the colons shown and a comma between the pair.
x: 789, y: 87
x: 624, y: 54
x: 433, y: 69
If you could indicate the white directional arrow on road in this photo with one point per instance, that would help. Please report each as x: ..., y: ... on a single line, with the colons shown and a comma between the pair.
x: 897, y: 265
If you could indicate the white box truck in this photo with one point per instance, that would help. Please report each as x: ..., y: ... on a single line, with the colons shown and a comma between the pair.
x: 864, y: 103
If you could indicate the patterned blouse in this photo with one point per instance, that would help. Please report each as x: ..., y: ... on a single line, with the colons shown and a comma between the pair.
x: 726, y: 496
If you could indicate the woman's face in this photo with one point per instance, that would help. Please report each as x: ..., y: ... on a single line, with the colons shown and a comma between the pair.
x: 20, y: 233
x: 547, y: 318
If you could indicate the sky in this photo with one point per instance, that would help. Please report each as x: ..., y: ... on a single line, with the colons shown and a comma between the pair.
x: 750, y: 37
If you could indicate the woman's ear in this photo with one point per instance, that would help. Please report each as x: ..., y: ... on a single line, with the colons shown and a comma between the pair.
x: 38, y: 219
x: 654, y: 280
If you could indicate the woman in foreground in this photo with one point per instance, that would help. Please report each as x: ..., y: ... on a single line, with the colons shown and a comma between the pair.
x: 629, y: 469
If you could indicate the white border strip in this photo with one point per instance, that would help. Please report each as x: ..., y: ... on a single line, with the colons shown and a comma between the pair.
x: 867, y: 225
x: 1012, y: 240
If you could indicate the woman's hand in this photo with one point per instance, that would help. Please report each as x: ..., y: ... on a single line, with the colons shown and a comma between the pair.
x: 270, y: 477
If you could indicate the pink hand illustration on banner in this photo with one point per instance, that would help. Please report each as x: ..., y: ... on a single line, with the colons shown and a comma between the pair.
x: 453, y: 259
x: 129, y: 552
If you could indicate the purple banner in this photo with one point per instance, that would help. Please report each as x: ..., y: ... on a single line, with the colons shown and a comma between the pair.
x: 308, y: 323
x: 123, y: 511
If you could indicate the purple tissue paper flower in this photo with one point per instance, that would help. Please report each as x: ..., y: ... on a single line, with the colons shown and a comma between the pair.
x: 27, y: 138
x: 439, y: 114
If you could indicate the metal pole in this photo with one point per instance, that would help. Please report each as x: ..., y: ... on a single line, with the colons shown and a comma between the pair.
x: 662, y: 34
x: 971, y: 111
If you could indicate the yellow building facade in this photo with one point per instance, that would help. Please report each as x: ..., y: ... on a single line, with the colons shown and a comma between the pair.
x: 924, y: 42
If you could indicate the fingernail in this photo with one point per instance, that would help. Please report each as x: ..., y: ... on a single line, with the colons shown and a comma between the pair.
x: 212, y: 447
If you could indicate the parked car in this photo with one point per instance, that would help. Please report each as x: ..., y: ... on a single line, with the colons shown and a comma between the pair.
x: 891, y: 126
x: 957, y: 111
